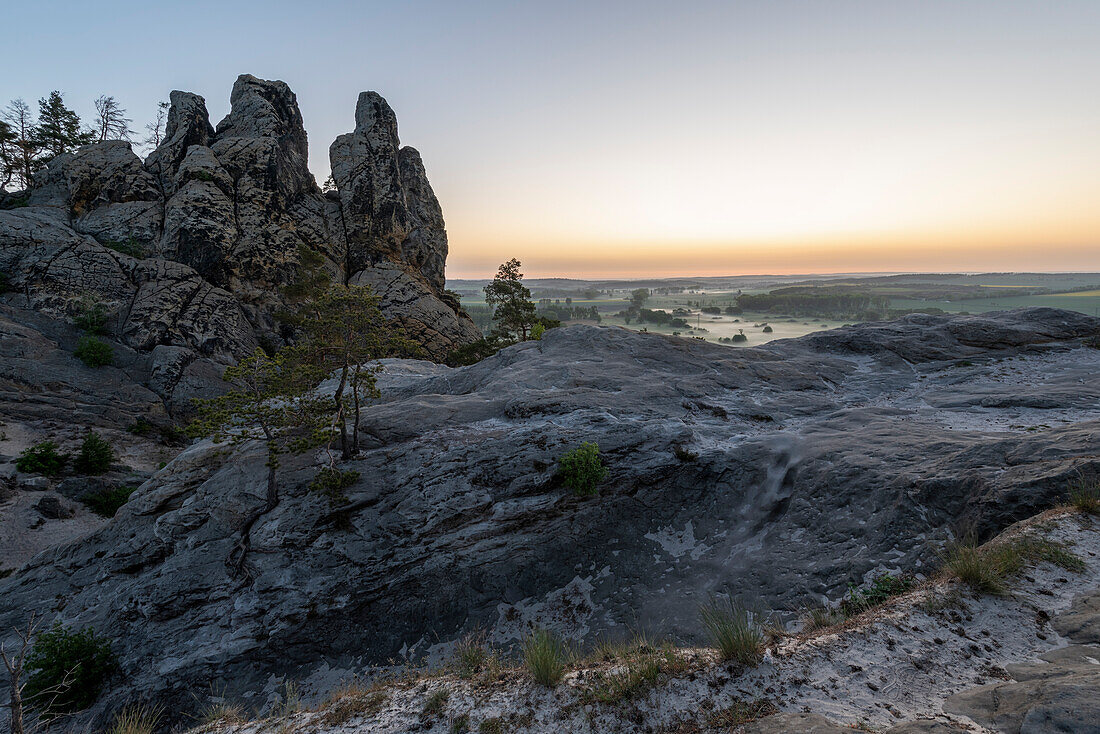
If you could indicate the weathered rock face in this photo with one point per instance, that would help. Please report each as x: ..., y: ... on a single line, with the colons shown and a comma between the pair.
x: 216, y: 221
x: 804, y: 465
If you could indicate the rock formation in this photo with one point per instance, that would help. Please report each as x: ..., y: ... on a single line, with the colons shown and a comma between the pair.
x: 777, y: 475
x: 189, y: 248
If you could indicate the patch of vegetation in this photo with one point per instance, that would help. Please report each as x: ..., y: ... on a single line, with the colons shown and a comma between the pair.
x: 988, y: 568
x: 136, y: 720
x: 639, y: 670
x: 95, y: 456
x: 767, y: 330
x: 582, y: 469
x: 461, y: 724
x: 684, y: 454
x: 739, y: 337
x: 741, y: 712
x: 881, y: 588
x: 168, y: 434
x: 15, y: 202
x: 92, y: 317
x: 469, y: 354
x: 203, y: 176
x: 734, y: 631
x: 5, y: 282
x: 436, y: 702
x: 106, y: 502
x: 332, y: 482
x: 66, y: 669
x: 1084, y: 496
x: 42, y: 458
x: 351, y: 701
x: 94, y: 352
x: 820, y: 617
x: 544, y: 657
x: 494, y: 725
x: 471, y: 655
x: 221, y: 712
x: 130, y: 247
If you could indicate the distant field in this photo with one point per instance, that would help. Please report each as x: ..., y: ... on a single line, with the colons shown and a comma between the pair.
x: 1083, y: 301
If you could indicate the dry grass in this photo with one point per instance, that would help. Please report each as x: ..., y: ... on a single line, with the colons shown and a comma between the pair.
x: 136, y: 720
x: 1084, y: 496
x: 819, y: 618
x: 741, y: 712
x: 352, y: 700
x: 436, y: 702
x: 638, y: 667
x: 989, y: 568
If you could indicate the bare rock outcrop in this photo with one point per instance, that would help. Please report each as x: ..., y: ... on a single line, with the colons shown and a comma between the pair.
x: 191, y: 247
x: 777, y: 475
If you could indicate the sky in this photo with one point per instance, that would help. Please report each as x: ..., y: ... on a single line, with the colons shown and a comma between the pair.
x: 624, y: 139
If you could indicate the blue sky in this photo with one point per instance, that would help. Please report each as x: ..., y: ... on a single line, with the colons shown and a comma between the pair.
x: 643, y: 137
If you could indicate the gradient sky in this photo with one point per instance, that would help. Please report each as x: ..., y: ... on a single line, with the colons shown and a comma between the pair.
x: 659, y: 138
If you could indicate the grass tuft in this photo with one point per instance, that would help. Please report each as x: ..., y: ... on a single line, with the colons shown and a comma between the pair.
x: 881, y: 588
x: 136, y: 720
x: 734, y: 631
x: 544, y: 656
x: 987, y: 569
x: 1084, y: 496
x: 820, y: 617
x: 639, y: 670
x: 741, y: 712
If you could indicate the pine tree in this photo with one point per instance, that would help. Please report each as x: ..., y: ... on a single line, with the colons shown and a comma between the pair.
x: 156, y: 128
x: 513, y: 311
x: 272, y: 401
x: 24, y: 154
x: 58, y: 129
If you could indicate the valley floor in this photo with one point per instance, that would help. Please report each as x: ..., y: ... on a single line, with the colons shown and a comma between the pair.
x: 939, y: 658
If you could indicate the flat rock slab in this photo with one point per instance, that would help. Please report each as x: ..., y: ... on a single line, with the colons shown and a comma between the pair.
x: 1082, y: 622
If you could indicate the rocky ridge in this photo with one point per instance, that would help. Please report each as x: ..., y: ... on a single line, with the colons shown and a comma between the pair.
x: 776, y: 475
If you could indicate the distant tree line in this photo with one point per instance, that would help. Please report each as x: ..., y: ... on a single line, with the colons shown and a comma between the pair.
x: 809, y: 302
x: 29, y: 141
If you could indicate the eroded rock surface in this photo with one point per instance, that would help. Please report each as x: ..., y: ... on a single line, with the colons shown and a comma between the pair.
x: 804, y: 465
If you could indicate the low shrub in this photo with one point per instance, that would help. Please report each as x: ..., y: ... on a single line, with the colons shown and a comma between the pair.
x: 473, y: 353
x: 130, y: 247
x: 767, y: 330
x: 42, y: 458
x: 332, y: 482
x: 96, y: 455
x: 880, y: 589
x: 582, y: 469
x: 106, y: 502
x: 734, y: 631
x: 136, y: 720
x: 461, y: 724
x: 94, y: 352
x: 66, y: 669
x: 92, y: 318
x: 684, y: 454
x: 639, y: 670
x: 495, y: 725
x: 544, y: 657
x: 739, y: 338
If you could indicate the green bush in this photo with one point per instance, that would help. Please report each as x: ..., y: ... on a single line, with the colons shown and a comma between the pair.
x: 544, y: 657
x: 92, y: 318
x: 106, y: 502
x: 878, y: 591
x: 96, y: 455
x: 733, y: 631
x: 130, y: 247
x: 42, y: 458
x: 66, y: 669
x: 737, y: 338
x: 332, y: 483
x: 582, y: 469
x: 984, y: 569
x: 94, y: 352
x: 767, y: 329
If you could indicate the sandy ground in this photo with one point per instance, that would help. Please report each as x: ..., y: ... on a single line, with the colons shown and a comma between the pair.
x: 897, y: 663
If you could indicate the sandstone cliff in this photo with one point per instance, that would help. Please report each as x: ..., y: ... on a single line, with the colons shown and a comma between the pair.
x: 189, y: 248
